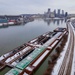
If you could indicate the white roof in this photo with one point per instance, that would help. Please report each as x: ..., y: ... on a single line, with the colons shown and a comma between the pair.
x: 25, y: 73
x: 38, y: 61
x: 29, y: 68
x: 54, y: 43
x: 1, y: 58
x: 14, y: 64
x: 33, y: 41
x: 8, y: 60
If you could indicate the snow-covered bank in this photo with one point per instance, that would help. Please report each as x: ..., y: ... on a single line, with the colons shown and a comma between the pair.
x: 73, y: 63
x: 60, y: 59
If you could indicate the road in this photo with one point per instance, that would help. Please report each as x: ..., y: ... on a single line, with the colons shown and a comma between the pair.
x: 68, y: 58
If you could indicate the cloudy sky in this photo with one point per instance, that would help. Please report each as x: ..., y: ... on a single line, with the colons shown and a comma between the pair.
x: 15, y: 7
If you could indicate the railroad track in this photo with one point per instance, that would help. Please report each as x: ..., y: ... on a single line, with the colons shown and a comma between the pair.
x: 67, y: 61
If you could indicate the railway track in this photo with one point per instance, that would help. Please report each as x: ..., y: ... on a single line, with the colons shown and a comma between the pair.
x: 67, y: 61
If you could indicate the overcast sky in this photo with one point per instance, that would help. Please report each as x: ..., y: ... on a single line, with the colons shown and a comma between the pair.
x: 16, y: 7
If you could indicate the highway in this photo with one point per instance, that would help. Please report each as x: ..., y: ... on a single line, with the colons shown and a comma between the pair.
x: 66, y: 66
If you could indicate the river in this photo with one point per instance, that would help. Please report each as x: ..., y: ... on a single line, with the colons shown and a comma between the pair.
x: 14, y: 36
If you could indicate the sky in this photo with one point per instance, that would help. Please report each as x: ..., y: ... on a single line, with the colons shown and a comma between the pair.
x: 16, y: 7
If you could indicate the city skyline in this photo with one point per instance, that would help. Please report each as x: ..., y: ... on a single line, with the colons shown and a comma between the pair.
x: 16, y: 7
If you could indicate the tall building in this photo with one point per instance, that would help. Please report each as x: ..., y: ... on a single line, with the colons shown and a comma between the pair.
x: 48, y: 14
x: 62, y: 13
x: 52, y: 15
x: 66, y: 14
x: 49, y: 10
x: 58, y: 12
x: 55, y: 13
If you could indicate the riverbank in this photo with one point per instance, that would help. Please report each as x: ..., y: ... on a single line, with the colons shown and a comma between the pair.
x: 54, y: 58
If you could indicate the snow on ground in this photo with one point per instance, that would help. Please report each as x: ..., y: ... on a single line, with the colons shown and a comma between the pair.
x: 73, y: 63
x: 60, y: 59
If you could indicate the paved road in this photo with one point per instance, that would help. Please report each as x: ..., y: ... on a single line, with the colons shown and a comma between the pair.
x: 68, y: 58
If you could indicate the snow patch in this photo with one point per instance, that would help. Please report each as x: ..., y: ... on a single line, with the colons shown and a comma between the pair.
x: 59, y: 61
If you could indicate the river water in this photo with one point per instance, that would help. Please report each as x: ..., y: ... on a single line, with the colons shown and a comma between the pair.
x: 14, y: 36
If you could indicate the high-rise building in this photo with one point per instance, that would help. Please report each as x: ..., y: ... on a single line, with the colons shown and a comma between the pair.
x: 48, y: 14
x: 62, y: 13
x: 55, y: 13
x: 52, y: 15
x: 58, y: 12
x: 66, y: 14
x: 49, y: 10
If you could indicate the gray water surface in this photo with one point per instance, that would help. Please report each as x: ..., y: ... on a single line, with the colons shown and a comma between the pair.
x: 14, y: 36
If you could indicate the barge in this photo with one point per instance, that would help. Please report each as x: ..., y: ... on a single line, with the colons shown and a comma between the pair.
x: 32, y: 67
x: 27, y: 59
x: 16, y: 55
x: 29, y: 64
